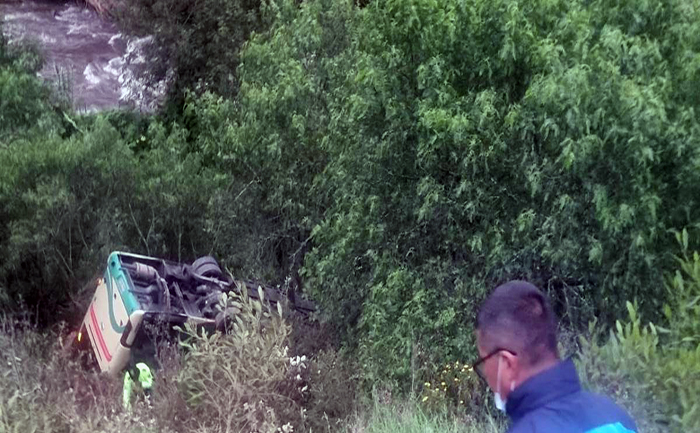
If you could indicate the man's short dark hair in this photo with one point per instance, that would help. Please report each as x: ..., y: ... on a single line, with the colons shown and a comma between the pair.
x: 518, y: 317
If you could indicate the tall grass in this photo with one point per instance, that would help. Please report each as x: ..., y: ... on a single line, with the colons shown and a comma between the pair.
x: 41, y: 390
x: 44, y: 390
x: 408, y: 417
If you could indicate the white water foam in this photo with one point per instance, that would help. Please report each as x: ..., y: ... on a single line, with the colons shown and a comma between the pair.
x: 135, y: 48
x: 47, y: 39
x: 24, y: 16
x: 115, y: 66
x: 76, y: 29
x: 92, y: 74
x: 74, y: 14
x: 113, y: 40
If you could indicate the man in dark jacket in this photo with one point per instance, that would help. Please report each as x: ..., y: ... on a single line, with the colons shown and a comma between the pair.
x: 517, y: 343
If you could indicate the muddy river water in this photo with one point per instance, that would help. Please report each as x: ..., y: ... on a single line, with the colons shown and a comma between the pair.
x: 89, y: 50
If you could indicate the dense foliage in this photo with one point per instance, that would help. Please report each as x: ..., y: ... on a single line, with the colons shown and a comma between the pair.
x: 433, y: 149
x: 24, y: 100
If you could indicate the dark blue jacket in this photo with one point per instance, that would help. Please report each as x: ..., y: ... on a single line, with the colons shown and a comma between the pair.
x: 553, y: 402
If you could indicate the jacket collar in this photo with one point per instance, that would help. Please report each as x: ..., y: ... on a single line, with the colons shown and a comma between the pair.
x: 542, y: 388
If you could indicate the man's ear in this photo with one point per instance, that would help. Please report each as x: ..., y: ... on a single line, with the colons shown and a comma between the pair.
x: 511, y: 362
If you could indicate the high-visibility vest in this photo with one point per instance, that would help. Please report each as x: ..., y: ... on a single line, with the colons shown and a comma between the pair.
x: 145, y: 382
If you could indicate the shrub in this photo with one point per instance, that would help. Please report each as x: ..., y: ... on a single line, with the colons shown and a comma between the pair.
x: 333, y: 391
x: 246, y: 380
x: 455, y: 385
x: 60, y: 213
x: 422, y: 152
x: 24, y: 98
x: 655, y: 370
x: 167, y: 211
x: 66, y: 203
x: 242, y: 380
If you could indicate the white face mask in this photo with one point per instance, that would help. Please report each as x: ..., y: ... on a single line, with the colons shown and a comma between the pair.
x: 500, y: 403
x: 497, y: 399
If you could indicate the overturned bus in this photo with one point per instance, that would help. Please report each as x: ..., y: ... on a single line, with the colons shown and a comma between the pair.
x: 139, y: 293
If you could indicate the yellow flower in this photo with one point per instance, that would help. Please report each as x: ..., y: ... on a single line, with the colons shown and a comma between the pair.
x: 443, y: 383
x: 427, y: 384
x: 425, y: 398
x: 460, y: 402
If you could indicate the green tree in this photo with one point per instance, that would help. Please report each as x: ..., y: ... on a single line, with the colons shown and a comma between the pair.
x: 59, y: 216
x: 24, y: 98
x: 67, y: 203
x: 273, y: 140
x: 167, y: 211
x: 458, y: 144
x: 195, y: 45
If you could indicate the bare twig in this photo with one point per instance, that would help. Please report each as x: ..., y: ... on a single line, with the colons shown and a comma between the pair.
x: 145, y: 241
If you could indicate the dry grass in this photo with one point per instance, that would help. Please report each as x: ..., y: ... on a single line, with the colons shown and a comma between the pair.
x: 408, y: 417
x: 245, y: 381
x: 41, y: 390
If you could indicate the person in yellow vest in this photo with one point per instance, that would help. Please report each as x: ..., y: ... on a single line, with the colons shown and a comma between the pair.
x: 139, y: 381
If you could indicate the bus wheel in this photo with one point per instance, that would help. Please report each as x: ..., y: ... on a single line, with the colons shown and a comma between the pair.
x: 207, y: 267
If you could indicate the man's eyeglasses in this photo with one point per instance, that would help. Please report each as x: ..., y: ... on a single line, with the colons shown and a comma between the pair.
x: 479, y: 364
